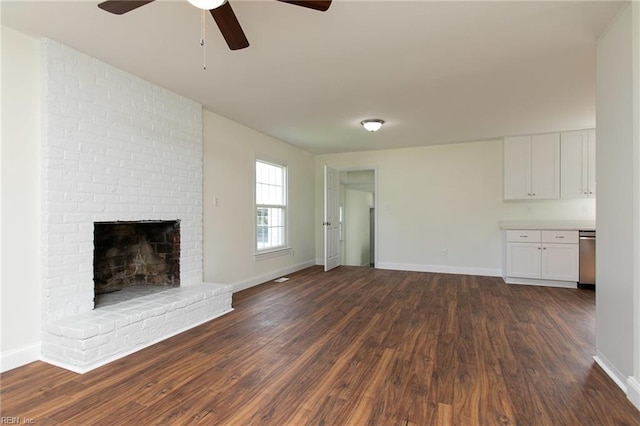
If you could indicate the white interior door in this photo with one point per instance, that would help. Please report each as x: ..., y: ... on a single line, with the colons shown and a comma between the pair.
x: 331, y: 218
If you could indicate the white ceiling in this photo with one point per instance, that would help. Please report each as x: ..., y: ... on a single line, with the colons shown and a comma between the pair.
x: 437, y: 72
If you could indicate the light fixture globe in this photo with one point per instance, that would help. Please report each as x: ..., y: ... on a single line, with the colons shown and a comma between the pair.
x: 372, y: 124
x: 207, y: 4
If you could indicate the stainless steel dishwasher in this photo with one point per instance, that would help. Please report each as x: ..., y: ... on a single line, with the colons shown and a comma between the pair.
x: 587, y: 259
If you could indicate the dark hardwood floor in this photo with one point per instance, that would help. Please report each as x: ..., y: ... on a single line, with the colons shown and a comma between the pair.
x: 353, y: 346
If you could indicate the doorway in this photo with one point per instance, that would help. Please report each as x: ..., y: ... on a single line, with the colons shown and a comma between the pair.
x: 357, y: 218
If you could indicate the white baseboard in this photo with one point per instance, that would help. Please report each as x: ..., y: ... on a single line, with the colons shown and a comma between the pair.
x: 615, y: 375
x: 541, y: 283
x: 633, y: 391
x: 251, y: 282
x: 19, y: 357
x: 443, y: 269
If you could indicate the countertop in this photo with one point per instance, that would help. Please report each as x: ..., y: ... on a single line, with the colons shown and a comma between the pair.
x: 584, y: 225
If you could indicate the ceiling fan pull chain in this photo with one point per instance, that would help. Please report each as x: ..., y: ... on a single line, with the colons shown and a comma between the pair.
x: 202, y: 37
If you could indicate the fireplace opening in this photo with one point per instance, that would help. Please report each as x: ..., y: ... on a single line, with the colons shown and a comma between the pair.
x: 133, y: 259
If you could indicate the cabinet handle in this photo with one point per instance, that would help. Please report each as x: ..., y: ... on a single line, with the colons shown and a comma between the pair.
x: 590, y: 192
x: 544, y: 248
x: 534, y: 194
x: 538, y: 248
x: 559, y: 236
x: 524, y: 236
x: 585, y: 192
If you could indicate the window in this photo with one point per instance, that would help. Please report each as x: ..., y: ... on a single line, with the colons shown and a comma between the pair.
x: 271, y: 206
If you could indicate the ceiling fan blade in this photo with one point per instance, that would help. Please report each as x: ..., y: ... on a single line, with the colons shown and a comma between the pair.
x: 230, y: 27
x: 120, y: 7
x: 321, y: 5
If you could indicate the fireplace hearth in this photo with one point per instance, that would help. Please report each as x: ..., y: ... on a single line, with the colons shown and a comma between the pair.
x: 134, y: 259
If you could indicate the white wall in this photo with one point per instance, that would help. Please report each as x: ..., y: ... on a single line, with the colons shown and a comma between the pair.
x: 445, y: 196
x: 230, y: 150
x: 357, y: 227
x: 618, y: 168
x: 634, y: 382
x: 20, y: 229
x: 614, y: 169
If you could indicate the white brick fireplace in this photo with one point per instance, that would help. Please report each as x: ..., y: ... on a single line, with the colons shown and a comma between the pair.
x: 116, y: 148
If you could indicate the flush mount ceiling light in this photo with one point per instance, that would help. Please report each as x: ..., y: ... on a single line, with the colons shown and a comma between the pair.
x: 207, y: 4
x: 372, y: 124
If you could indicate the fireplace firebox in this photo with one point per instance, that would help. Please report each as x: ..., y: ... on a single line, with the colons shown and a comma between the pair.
x: 134, y: 259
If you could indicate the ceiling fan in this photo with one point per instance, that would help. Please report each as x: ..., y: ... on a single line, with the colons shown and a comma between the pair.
x: 220, y: 10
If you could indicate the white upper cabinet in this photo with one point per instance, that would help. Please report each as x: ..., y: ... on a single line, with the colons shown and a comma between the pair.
x: 591, y: 163
x: 532, y: 167
x: 545, y: 166
x: 578, y: 151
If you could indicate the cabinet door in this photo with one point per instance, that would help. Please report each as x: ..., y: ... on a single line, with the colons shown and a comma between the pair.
x: 523, y: 260
x: 591, y: 163
x: 560, y: 262
x: 574, y: 154
x: 545, y: 166
x: 517, y: 168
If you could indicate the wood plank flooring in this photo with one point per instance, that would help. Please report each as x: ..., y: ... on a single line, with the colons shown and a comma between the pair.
x: 354, y: 346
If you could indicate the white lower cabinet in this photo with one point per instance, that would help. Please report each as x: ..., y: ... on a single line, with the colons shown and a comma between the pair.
x: 560, y: 262
x: 542, y: 255
x: 523, y: 260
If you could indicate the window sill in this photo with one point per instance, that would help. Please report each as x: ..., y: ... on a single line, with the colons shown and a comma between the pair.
x: 273, y: 253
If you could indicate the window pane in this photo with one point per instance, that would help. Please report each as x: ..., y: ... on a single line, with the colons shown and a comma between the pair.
x: 270, y: 195
x: 269, y: 184
x: 271, y: 228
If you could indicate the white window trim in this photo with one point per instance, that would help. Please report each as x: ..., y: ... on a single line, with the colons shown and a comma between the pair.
x: 286, y: 249
x: 268, y: 254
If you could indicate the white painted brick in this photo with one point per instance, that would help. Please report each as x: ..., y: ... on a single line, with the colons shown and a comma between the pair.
x: 91, y: 343
x: 153, y: 322
x: 77, y: 279
x: 75, y: 329
x: 73, y: 261
x: 134, y: 315
x: 62, y: 291
x: 104, y: 325
x: 81, y: 351
x: 59, y: 269
x: 116, y: 148
x: 133, y: 329
x: 179, y: 304
x: 56, y: 351
x: 86, y: 355
x: 158, y: 309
